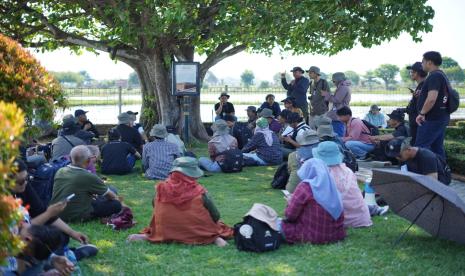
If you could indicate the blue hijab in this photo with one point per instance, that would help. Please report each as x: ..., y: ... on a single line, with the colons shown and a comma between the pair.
x: 316, y: 174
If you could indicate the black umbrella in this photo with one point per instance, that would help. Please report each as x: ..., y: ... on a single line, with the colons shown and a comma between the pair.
x: 424, y: 201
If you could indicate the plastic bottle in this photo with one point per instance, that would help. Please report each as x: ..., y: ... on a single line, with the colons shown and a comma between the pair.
x: 369, y: 193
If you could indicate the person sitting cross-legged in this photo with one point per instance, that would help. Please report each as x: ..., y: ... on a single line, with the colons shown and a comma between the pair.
x: 118, y: 157
x: 220, y: 142
x: 273, y: 123
x: 183, y: 212
x: 375, y: 117
x: 265, y: 144
x: 314, y: 213
x: 62, y: 145
x: 158, y: 155
x: 93, y: 199
x: 357, y: 135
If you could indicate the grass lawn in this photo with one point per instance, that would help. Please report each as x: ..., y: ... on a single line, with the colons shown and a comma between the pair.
x: 365, y: 251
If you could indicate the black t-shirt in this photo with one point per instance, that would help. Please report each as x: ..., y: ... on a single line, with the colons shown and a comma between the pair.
x: 131, y: 136
x: 114, y: 155
x: 91, y: 129
x: 31, y: 199
x: 228, y: 108
x: 412, y: 107
x: 434, y: 81
x: 400, y: 130
x: 425, y: 162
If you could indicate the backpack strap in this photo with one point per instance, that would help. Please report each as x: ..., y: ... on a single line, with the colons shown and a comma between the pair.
x: 67, y: 140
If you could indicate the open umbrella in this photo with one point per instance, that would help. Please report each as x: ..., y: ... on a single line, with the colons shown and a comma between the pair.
x: 424, y: 201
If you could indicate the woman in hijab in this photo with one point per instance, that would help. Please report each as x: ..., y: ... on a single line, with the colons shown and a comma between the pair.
x: 314, y: 213
x: 183, y: 211
x: 266, y: 145
x: 220, y: 142
x: 356, y: 213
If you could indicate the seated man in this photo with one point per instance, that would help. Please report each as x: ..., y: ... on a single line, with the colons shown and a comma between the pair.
x: 224, y: 107
x: 62, y: 145
x: 238, y: 130
x: 357, y: 134
x: 128, y: 133
x: 419, y: 160
x: 183, y: 212
x: 75, y: 179
x: 158, y: 155
x: 251, y: 116
x: 174, y: 138
x: 138, y: 126
x: 285, y: 127
x: 118, y: 157
x: 375, y: 117
x: 84, y: 123
x: 290, y: 140
x: 273, y: 124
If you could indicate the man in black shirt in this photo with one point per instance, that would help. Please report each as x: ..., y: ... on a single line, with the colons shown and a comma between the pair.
x: 128, y: 133
x: 84, y: 123
x: 433, y: 116
x: 118, y: 157
x: 418, y: 75
x: 418, y: 160
x: 224, y: 107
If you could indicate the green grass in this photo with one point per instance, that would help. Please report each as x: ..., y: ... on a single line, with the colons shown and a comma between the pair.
x: 365, y: 251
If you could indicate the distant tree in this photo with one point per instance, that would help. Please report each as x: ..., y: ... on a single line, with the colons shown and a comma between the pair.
x: 133, y: 80
x: 210, y: 78
x: 247, y: 78
x: 448, y: 62
x: 277, y: 78
x: 405, y: 75
x: 388, y: 73
x: 370, y: 79
x: 353, y: 77
x: 69, y: 77
x: 86, y: 75
x: 455, y: 74
x: 264, y: 85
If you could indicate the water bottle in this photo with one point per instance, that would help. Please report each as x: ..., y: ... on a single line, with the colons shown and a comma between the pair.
x: 369, y: 193
x: 71, y: 257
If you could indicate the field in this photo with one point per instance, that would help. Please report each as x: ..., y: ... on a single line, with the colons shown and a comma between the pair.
x: 365, y: 251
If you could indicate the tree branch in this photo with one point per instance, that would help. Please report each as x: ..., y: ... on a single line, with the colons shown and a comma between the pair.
x: 218, y: 55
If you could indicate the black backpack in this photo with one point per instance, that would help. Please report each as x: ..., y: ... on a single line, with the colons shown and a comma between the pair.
x: 349, y: 158
x: 444, y: 171
x: 372, y: 130
x: 232, y: 162
x: 453, y: 97
x: 281, y: 176
x: 255, y: 236
x: 242, y: 133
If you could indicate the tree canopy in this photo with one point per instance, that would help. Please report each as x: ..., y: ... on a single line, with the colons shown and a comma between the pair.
x: 353, y: 77
x: 247, y: 78
x: 388, y: 73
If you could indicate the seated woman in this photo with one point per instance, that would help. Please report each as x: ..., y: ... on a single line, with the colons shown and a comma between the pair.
x: 356, y: 213
x: 314, y: 213
x: 220, y: 142
x: 183, y: 211
x: 266, y: 145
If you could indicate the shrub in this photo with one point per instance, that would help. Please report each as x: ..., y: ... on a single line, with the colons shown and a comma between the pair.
x: 24, y: 81
x: 11, y: 127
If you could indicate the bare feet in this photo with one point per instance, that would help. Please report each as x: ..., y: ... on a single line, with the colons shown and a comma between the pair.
x: 220, y: 242
x: 137, y: 237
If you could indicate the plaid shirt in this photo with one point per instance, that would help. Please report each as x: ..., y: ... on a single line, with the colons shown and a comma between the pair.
x: 272, y: 155
x: 307, y: 221
x: 158, y: 157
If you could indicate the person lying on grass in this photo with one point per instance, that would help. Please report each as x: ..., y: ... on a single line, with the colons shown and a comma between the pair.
x: 183, y: 211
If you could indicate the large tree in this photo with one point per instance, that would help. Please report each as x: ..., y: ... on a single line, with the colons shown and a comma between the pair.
x: 247, y: 78
x: 388, y: 73
x: 453, y: 70
x: 149, y: 35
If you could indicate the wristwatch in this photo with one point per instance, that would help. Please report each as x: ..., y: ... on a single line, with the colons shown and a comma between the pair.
x: 422, y: 114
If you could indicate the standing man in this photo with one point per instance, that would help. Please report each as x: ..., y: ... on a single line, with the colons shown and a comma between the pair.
x: 317, y: 101
x: 297, y: 89
x: 418, y: 75
x: 84, y: 123
x: 433, y: 116
x: 224, y: 107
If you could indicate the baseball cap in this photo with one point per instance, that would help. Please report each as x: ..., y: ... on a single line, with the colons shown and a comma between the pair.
x: 79, y: 112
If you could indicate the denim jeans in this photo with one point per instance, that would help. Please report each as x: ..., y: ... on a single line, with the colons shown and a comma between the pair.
x: 431, y: 134
x: 338, y: 128
x: 131, y: 160
x: 360, y: 149
x: 209, y: 165
x: 255, y: 157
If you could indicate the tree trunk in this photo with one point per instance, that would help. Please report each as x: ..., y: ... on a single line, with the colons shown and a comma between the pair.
x: 158, y: 104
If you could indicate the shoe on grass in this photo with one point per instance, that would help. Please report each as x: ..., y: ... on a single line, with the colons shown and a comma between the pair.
x: 375, y: 210
x: 85, y: 251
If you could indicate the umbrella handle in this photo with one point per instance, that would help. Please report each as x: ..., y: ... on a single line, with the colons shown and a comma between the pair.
x: 401, y: 237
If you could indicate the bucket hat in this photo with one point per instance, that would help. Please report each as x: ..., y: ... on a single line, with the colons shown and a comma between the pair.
x: 188, y: 166
x: 159, y: 131
x: 329, y: 152
x: 265, y: 214
x: 220, y: 127
x: 308, y: 137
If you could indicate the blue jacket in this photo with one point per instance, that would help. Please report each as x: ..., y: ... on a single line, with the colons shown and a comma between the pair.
x: 275, y: 108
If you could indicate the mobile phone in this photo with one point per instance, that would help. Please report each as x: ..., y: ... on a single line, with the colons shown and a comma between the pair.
x: 68, y: 198
x: 286, y: 193
x: 411, y: 90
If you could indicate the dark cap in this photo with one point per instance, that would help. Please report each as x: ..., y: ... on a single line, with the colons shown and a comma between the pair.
x: 397, y: 115
x: 114, y: 134
x: 294, y: 117
x: 289, y: 99
x: 297, y: 68
x: 79, y: 112
x: 132, y: 113
x: 251, y: 108
x: 395, y: 146
x: 229, y: 118
x: 224, y: 94
x: 417, y: 67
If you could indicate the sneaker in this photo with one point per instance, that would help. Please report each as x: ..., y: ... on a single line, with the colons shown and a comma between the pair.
x: 383, y: 210
x: 366, y: 158
x: 375, y: 210
x: 85, y: 251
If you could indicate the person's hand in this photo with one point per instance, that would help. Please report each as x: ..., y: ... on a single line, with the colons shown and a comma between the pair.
x: 324, y: 93
x: 55, y: 209
x: 63, y: 265
x: 420, y: 119
x: 87, y: 126
x: 287, y: 139
x: 80, y: 237
x: 292, y: 82
x: 373, y: 139
x: 283, y: 75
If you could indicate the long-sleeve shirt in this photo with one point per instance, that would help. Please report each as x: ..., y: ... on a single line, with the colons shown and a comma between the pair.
x: 275, y: 126
x: 339, y: 99
x: 158, y: 157
x: 298, y: 89
x: 272, y: 155
x: 275, y: 108
x: 213, y: 151
x: 377, y: 120
x: 356, y: 130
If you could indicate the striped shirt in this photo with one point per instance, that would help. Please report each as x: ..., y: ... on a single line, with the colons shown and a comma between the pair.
x: 272, y: 155
x: 158, y: 157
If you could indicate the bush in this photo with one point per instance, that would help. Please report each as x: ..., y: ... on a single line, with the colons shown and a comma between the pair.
x: 11, y: 127
x: 455, y: 133
x: 24, y: 81
x: 456, y: 163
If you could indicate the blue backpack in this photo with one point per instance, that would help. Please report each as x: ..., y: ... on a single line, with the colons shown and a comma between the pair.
x: 43, y: 177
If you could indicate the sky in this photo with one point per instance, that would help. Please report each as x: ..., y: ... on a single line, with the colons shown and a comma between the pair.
x: 447, y: 37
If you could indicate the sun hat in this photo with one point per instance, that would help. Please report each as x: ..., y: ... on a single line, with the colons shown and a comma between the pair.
x: 262, y: 122
x: 188, y: 166
x: 374, y: 108
x: 124, y: 118
x: 397, y: 115
x: 266, y: 113
x: 314, y: 69
x: 265, y: 214
x: 69, y: 125
x: 132, y: 112
x: 329, y: 152
x: 338, y: 77
x: 251, y: 108
x: 325, y: 131
x: 322, y: 120
x: 220, y: 127
x: 79, y: 112
x: 159, y: 131
x: 297, y: 68
x: 395, y: 146
x: 223, y: 94
x: 308, y: 137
